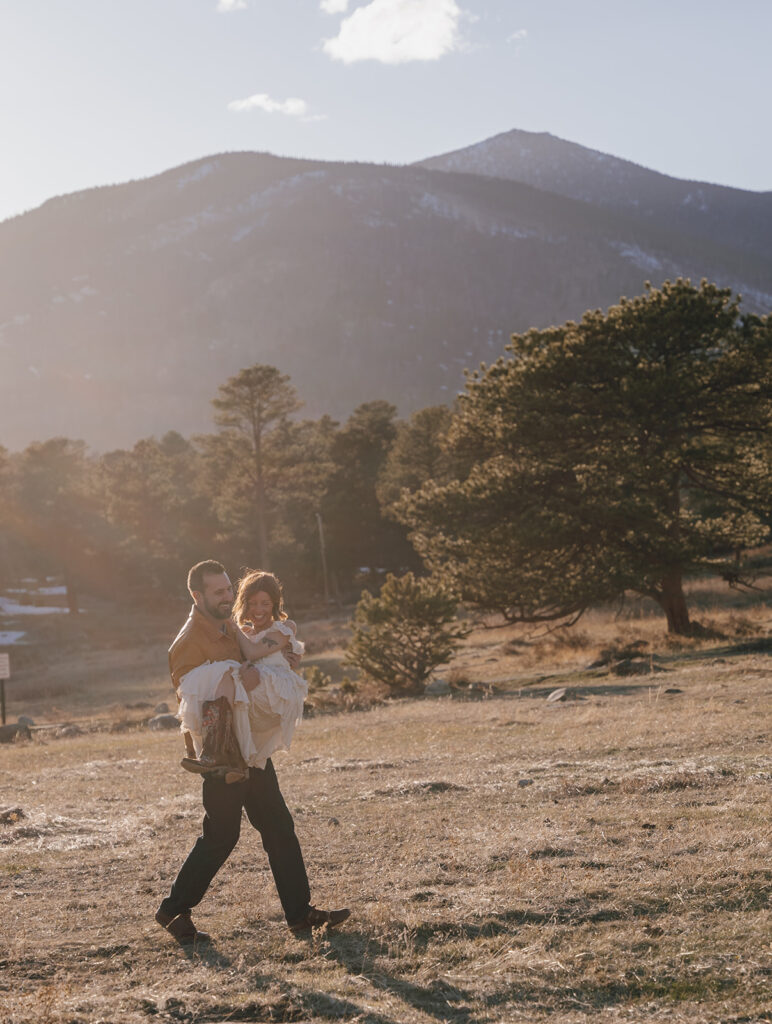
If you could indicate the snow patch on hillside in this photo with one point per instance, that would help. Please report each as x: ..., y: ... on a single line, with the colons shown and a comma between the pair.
x: 695, y: 199
x: 429, y: 202
x: 636, y: 255
x: 762, y: 299
x: 265, y: 196
x: 175, y: 230
x: 283, y: 193
x: 198, y: 174
x: 85, y: 292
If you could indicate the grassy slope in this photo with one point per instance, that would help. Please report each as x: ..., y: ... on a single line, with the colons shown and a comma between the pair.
x: 629, y: 880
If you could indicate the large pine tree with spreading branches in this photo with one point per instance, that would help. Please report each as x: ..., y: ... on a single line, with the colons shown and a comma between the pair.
x: 621, y: 453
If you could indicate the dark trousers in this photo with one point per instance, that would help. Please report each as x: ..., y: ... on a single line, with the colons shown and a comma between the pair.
x: 262, y: 800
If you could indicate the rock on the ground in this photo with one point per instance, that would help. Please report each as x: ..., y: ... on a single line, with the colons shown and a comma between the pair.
x: 68, y: 732
x: 161, y: 722
x: 24, y: 720
x: 161, y: 709
x: 436, y: 688
x: 9, y: 733
x: 558, y: 695
x: 522, y: 783
x: 10, y: 815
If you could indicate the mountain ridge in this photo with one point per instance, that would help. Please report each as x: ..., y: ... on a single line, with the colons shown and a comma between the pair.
x: 123, y: 308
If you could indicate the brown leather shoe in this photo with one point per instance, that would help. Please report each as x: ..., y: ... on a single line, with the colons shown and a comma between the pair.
x: 319, y: 918
x: 181, y: 928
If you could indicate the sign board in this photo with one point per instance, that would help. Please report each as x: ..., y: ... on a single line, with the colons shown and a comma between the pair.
x: 5, y: 666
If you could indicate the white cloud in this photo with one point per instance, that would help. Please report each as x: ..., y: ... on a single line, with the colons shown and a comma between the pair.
x: 226, y: 6
x: 333, y: 6
x: 517, y: 36
x: 292, y: 107
x: 396, y: 31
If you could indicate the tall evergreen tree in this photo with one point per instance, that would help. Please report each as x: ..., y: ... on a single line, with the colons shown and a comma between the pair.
x: 619, y: 453
x: 152, y: 497
x: 251, y: 408
x: 359, y: 535
x: 55, y: 513
x: 418, y: 454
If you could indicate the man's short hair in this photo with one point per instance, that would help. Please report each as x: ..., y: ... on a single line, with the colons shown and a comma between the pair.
x: 201, y: 569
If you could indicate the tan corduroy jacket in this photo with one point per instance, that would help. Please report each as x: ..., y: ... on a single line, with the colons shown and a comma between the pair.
x: 198, y: 642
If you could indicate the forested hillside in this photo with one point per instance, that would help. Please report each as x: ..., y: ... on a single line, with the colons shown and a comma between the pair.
x: 122, y: 308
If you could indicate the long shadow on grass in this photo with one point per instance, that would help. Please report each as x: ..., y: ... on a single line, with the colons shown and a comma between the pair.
x: 323, y: 1005
x: 674, y: 988
x: 206, y: 953
x: 356, y: 952
x: 759, y: 645
x: 582, y: 679
x: 573, y: 913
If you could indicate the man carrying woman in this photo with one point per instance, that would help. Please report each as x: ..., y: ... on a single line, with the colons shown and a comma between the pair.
x: 211, y: 636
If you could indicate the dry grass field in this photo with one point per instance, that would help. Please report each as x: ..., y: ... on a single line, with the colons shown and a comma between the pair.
x: 506, y: 858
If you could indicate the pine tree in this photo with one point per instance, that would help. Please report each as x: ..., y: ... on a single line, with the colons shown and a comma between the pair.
x: 418, y: 454
x: 251, y: 409
x: 620, y: 453
x: 55, y: 512
x: 404, y: 633
x: 358, y: 534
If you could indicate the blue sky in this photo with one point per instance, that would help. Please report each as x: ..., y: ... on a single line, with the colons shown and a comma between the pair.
x: 100, y: 91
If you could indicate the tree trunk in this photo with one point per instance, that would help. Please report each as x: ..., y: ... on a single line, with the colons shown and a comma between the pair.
x: 262, y: 530
x: 673, y: 604
x: 72, y: 594
x: 260, y: 502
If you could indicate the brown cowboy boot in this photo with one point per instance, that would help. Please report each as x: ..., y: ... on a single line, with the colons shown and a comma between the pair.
x: 220, y: 752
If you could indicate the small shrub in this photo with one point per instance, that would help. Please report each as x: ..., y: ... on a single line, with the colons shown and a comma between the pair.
x: 404, y: 633
x: 316, y: 679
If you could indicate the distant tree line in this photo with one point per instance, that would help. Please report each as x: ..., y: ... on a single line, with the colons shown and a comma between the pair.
x: 263, y: 490
x: 622, y: 453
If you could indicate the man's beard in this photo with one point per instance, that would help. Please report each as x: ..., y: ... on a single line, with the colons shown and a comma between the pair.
x: 219, y: 611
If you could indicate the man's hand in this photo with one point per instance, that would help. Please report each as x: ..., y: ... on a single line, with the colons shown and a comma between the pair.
x: 250, y: 677
x: 292, y: 658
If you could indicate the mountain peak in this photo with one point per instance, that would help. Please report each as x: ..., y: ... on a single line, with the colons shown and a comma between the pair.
x: 546, y: 162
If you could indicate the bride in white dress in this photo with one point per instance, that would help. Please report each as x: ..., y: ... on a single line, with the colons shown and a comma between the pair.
x: 264, y: 719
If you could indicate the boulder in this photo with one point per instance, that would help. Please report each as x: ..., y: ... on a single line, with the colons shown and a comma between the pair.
x: 24, y: 720
x: 161, y: 709
x: 10, y: 815
x: 436, y: 688
x: 10, y: 733
x: 67, y: 732
x: 161, y: 722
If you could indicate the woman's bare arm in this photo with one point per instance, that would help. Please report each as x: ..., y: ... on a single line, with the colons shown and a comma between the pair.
x: 253, y: 650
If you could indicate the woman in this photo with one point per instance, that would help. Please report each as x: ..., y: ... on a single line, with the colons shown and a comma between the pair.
x: 264, y: 719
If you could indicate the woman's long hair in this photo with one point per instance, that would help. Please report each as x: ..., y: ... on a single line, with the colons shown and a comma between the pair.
x: 252, y: 583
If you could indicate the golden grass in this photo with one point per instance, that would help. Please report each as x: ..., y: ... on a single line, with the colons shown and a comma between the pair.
x: 604, y: 858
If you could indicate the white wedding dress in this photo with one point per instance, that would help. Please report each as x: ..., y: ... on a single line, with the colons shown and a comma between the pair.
x: 265, y: 719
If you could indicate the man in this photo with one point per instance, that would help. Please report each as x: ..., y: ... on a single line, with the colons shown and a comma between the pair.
x: 209, y: 635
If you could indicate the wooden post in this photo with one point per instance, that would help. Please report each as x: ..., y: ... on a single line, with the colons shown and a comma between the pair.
x: 5, y: 673
x: 324, y: 557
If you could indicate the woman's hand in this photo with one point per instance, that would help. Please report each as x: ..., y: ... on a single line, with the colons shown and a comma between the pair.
x: 293, y: 658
